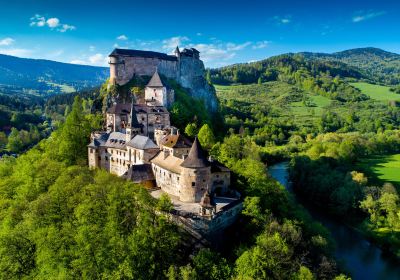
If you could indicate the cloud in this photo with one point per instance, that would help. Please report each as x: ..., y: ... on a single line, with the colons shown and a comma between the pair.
x: 122, y: 37
x: 237, y: 47
x: 92, y: 48
x: 97, y: 59
x: 6, y: 41
x: 66, y: 27
x: 16, y: 52
x: 212, y: 52
x: 172, y: 42
x: 53, y: 23
x: 362, y: 15
x: 281, y: 20
x: 260, y: 45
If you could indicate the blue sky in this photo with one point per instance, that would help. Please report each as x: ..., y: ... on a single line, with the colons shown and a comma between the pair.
x: 225, y: 32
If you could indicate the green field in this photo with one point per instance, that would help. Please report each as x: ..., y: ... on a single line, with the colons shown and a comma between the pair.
x: 377, y: 92
x: 286, y: 100
x: 385, y: 168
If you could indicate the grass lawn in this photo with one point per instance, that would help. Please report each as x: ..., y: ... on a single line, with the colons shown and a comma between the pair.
x: 377, y: 92
x: 385, y: 168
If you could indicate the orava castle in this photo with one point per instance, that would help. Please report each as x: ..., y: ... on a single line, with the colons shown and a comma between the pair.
x: 141, y: 145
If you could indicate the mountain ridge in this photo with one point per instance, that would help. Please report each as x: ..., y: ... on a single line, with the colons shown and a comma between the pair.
x: 46, y: 77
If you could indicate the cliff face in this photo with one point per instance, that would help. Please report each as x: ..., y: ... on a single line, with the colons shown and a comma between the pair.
x: 192, y: 76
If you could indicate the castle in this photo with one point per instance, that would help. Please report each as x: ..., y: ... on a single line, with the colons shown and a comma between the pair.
x: 184, y: 66
x: 140, y: 144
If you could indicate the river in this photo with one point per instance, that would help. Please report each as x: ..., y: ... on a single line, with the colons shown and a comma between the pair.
x: 359, y: 257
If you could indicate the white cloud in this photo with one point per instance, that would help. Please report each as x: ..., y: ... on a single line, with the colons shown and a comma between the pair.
x: 171, y: 43
x: 6, y: 41
x: 199, y: 34
x: 97, y: 59
x: 66, y: 27
x: 237, y: 47
x: 212, y: 52
x: 78, y: 61
x: 122, y: 37
x: 92, y: 48
x: 281, y: 20
x: 362, y: 15
x: 16, y: 52
x: 260, y: 45
x: 53, y: 23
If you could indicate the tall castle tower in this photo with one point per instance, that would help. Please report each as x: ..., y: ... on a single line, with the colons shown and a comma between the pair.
x: 196, y: 174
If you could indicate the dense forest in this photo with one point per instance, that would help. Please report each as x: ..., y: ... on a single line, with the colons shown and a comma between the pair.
x: 60, y: 218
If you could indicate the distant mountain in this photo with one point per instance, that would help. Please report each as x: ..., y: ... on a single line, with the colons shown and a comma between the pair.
x: 371, y: 64
x: 376, y: 64
x: 45, y: 77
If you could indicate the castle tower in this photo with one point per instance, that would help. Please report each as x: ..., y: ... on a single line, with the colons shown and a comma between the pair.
x: 196, y: 174
x: 155, y: 92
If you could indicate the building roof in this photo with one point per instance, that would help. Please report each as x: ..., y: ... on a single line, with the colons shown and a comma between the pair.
x: 120, y: 108
x: 116, y: 140
x: 140, y: 53
x: 155, y: 81
x: 170, y: 162
x: 142, y: 143
x: 143, y: 108
x: 99, y: 141
x: 139, y: 173
x: 175, y: 141
x: 197, y: 157
x: 218, y: 167
x: 125, y: 108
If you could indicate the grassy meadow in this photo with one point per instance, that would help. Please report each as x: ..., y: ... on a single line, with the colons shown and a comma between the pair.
x: 377, y: 92
x: 383, y: 167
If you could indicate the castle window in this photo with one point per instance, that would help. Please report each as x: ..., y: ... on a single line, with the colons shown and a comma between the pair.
x: 106, y: 158
x: 170, y: 175
x: 177, y: 178
x: 204, y: 180
x: 99, y: 158
x: 193, y: 184
x: 142, y: 118
x: 91, y: 151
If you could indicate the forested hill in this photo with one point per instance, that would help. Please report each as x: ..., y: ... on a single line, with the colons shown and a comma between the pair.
x: 366, y: 63
x: 378, y: 65
x: 45, y: 77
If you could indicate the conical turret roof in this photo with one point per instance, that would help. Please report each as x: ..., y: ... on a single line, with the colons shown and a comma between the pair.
x: 197, y: 157
x: 155, y: 81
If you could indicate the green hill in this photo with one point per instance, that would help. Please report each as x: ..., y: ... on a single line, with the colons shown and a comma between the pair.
x: 45, y: 77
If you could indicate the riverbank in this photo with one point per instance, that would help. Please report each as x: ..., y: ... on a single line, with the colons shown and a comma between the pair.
x: 361, y: 258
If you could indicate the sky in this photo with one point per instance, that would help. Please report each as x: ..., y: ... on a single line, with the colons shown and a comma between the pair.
x: 225, y: 32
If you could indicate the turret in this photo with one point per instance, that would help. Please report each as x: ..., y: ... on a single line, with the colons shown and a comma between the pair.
x: 196, y: 174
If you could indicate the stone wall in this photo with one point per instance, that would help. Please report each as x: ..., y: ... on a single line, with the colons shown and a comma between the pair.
x: 166, y: 180
x: 194, y: 184
x: 123, y: 68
